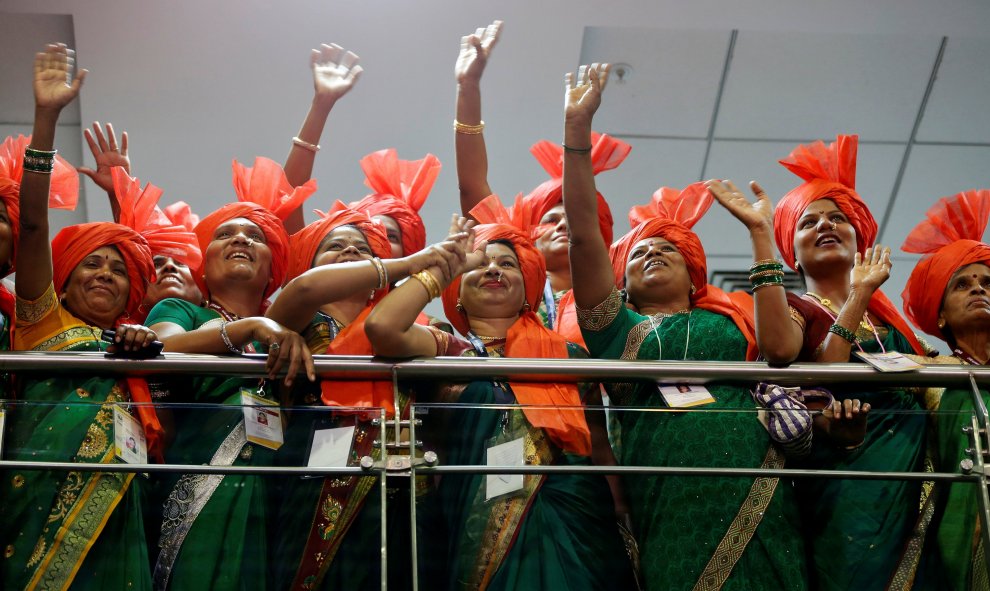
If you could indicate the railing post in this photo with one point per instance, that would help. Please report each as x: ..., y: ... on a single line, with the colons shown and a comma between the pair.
x: 979, y: 440
x: 413, y: 546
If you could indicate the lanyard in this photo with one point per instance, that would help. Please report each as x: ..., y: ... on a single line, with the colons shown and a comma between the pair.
x: 654, y: 325
x: 551, y: 304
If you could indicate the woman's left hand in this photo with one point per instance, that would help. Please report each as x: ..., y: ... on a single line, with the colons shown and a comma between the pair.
x: 871, y: 269
x: 847, y: 422
x: 132, y: 337
x: 583, y: 93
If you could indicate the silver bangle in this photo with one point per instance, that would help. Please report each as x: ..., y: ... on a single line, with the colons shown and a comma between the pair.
x: 314, y: 148
x: 226, y: 339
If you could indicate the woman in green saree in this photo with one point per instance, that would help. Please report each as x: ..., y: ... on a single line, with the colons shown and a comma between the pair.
x: 955, y: 256
x: 545, y: 531
x: 693, y: 532
x: 75, y: 529
x: 861, y: 534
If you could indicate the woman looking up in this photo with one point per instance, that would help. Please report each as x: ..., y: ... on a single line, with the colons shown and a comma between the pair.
x: 684, y: 524
x: 951, y: 240
x: 857, y: 529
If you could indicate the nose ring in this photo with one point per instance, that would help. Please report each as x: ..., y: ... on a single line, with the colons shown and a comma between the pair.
x: 833, y: 225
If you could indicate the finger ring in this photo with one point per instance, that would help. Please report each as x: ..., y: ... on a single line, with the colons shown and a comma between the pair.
x: 275, y: 346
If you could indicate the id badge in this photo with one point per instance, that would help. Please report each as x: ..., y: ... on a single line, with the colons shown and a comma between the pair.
x: 331, y: 448
x: 685, y: 395
x: 129, y: 441
x: 262, y: 420
x: 507, y: 449
x: 891, y: 361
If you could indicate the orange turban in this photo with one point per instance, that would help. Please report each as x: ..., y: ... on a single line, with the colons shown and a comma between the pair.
x: 74, y: 243
x: 62, y: 194
x: 527, y: 337
x: 400, y: 190
x: 265, y: 198
x: 304, y: 243
x: 829, y: 172
x: 670, y: 215
x: 951, y: 237
x: 180, y: 214
x: 139, y: 211
x: 606, y: 153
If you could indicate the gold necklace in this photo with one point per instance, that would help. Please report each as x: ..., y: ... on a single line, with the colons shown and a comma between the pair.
x: 485, y: 339
x: 865, y: 323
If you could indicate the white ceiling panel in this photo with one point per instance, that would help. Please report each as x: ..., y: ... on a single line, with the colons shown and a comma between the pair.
x: 934, y: 172
x: 957, y: 109
x: 793, y: 85
x: 651, y: 164
x: 673, y: 82
x: 743, y: 161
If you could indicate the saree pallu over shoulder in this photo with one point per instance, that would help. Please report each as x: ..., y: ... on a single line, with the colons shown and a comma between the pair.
x: 698, y: 532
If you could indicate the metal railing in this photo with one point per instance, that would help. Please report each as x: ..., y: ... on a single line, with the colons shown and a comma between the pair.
x: 973, y: 469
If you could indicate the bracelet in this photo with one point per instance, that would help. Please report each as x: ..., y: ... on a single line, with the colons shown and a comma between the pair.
x: 766, y: 284
x: 768, y: 262
x: 382, y: 272
x: 844, y: 333
x: 467, y: 128
x: 226, y: 339
x: 767, y: 273
x: 761, y: 266
x: 40, y: 161
x: 429, y: 282
x: 314, y: 148
x: 576, y: 150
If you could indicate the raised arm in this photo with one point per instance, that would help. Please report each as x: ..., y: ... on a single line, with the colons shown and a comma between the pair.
x: 469, y: 141
x: 591, y: 268
x: 304, y: 295
x: 335, y: 72
x: 391, y: 327
x: 778, y: 337
x: 55, y: 85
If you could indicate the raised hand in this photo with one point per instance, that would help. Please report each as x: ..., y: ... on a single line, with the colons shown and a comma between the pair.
x: 583, y: 93
x: 335, y: 72
x: 475, y: 50
x: 870, y: 270
x: 754, y: 214
x: 56, y: 82
x: 107, y: 155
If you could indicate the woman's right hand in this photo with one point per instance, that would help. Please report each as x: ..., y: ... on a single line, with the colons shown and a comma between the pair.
x: 475, y: 50
x: 56, y: 82
x: 286, y: 348
x: 583, y: 93
x: 754, y: 215
x: 871, y: 270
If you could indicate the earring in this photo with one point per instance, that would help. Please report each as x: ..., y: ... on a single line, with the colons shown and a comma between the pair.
x: 525, y: 307
x: 694, y: 290
x: 624, y: 295
x: 458, y: 306
x: 940, y: 323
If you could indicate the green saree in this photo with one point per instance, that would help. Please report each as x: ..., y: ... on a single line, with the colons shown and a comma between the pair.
x: 691, y: 528
x: 214, y: 532
x: 560, y: 533
x: 82, y: 530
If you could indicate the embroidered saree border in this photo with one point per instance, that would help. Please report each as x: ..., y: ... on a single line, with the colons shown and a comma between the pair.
x: 907, y: 566
x: 187, y: 499
x: 84, y: 505
x: 506, y: 515
x: 743, y: 527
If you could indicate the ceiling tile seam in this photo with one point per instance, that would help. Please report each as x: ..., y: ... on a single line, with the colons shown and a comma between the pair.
x: 31, y: 123
x: 911, y: 139
x: 718, y: 101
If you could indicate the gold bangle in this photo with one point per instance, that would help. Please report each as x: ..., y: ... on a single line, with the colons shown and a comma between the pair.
x: 468, y: 129
x: 767, y: 262
x: 382, y: 272
x: 429, y: 283
x: 768, y: 273
x: 757, y: 288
